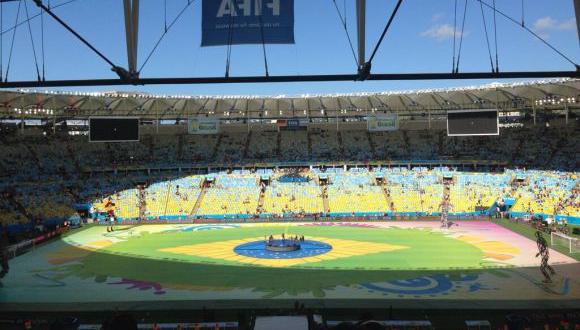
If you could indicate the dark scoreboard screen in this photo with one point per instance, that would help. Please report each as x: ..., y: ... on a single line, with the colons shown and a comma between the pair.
x: 472, y: 122
x: 113, y: 129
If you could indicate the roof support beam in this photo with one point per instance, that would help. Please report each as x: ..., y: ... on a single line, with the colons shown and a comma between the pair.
x: 121, y: 72
x: 361, y: 25
x: 577, y: 9
x: 131, y: 8
x: 285, y: 79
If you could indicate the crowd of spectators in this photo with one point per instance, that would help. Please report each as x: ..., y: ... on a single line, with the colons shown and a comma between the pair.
x: 43, y: 177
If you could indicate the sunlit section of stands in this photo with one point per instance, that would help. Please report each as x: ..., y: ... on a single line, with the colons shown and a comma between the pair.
x: 126, y: 204
x: 417, y: 190
x: 156, y: 199
x: 232, y: 195
x: 571, y: 206
x: 354, y: 193
x: 293, y: 197
x: 182, y: 196
x: 475, y: 191
x: 169, y: 198
x: 544, y: 192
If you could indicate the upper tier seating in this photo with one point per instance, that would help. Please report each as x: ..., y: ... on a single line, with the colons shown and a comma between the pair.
x: 356, y: 145
x: 263, y: 146
x: 294, y: 146
x: 324, y: 144
x: 231, y: 148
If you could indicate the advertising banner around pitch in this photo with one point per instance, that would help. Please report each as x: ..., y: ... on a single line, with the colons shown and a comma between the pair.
x: 383, y: 123
x: 234, y: 22
x: 203, y: 126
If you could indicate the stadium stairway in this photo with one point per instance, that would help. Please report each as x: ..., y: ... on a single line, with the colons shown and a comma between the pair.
x: 387, y: 194
x: 167, y: 199
x: 198, y: 201
x: 261, y: 199
x: 325, y: 203
x: 446, y: 193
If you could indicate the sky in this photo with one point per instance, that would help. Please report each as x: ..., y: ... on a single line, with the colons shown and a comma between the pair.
x: 419, y: 40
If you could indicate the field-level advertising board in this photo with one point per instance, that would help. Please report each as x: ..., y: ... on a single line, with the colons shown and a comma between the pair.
x: 571, y: 243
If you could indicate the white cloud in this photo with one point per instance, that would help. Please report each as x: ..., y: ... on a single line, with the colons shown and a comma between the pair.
x: 568, y: 25
x: 545, y: 23
x: 441, y: 32
x: 549, y: 23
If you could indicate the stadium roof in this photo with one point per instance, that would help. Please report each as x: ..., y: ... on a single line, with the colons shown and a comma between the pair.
x: 551, y: 94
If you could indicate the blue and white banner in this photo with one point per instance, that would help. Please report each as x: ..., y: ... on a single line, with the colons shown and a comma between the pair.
x: 234, y: 22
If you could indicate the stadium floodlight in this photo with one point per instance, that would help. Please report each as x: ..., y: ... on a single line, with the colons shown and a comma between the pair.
x: 571, y: 243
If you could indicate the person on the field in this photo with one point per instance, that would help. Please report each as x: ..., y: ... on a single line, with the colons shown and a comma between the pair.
x: 112, y: 222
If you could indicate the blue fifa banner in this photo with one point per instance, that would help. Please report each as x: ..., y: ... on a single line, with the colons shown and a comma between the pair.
x: 203, y: 125
x: 293, y: 123
x: 381, y: 122
x: 236, y: 22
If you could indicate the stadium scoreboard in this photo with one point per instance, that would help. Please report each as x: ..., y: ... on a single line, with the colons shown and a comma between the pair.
x: 113, y: 129
x: 477, y: 122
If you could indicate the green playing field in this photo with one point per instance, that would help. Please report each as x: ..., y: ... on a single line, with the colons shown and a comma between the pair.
x: 227, y: 262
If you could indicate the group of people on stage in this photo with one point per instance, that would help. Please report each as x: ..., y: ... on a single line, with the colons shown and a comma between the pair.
x: 292, y: 239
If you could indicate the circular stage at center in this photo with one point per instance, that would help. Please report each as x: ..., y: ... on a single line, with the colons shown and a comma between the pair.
x: 257, y: 249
